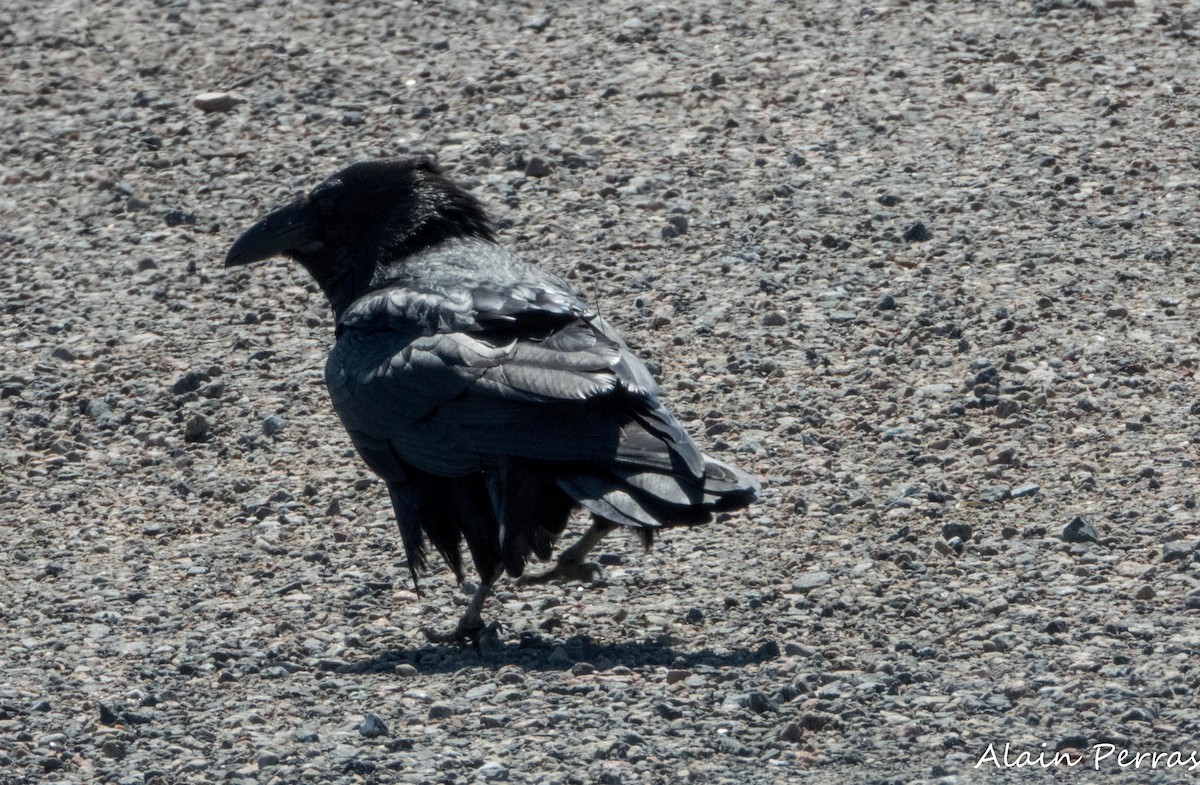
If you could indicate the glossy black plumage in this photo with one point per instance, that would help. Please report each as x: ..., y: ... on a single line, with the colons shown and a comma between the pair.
x: 485, y: 392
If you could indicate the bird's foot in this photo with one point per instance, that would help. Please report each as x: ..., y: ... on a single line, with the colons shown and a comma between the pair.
x: 467, y: 632
x: 564, y: 570
x: 460, y: 634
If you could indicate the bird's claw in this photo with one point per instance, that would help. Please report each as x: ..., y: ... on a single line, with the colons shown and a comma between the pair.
x: 466, y: 632
x: 568, y: 570
x: 460, y: 634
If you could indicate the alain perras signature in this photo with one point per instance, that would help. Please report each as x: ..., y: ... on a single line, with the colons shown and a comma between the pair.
x: 1100, y: 754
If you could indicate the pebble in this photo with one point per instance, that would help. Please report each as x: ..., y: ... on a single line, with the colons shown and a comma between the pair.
x: 197, y: 429
x: 214, y: 102
x: 537, y: 166
x: 811, y: 580
x: 492, y: 772
x: 791, y: 733
x: 440, y: 711
x: 1079, y: 530
x: 273, y: 425
x: 917, y: 233
x: 112, y: 748
x: 1178, y: 551
x: 995, y: 494
x: 372, y: 726
x: 677, y: 226
x: 962, y: 531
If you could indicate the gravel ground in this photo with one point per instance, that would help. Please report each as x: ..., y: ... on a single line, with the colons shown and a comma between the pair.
x: 928, y: 269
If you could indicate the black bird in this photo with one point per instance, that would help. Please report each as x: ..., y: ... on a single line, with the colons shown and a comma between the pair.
x: 484, y: 391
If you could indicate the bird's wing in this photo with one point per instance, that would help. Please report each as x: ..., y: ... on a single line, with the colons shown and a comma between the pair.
x: 448, y: 380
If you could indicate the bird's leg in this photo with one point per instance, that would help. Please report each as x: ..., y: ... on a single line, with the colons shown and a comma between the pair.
x: 571, y: 565
x: 470, y: 627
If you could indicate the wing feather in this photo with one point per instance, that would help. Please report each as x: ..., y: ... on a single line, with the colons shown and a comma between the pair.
x: 456, y: 377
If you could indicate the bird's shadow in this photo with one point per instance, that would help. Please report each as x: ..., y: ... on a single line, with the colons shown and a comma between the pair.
x: 532, y: 652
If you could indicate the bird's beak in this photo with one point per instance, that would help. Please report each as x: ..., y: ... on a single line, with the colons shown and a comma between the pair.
x: 287, y: 229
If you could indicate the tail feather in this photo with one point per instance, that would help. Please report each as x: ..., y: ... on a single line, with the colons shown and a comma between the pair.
x: 646, y: 498
x: 531, y: 511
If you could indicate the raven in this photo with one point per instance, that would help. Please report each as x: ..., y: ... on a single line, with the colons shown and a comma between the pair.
x: 488, y: 396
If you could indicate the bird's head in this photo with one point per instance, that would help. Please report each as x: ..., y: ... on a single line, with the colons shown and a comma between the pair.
x: 368, y: 215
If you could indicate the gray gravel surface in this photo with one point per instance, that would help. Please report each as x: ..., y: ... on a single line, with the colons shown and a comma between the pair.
x: 928, y: 269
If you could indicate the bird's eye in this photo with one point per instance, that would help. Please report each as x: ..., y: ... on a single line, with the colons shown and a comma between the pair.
x: 324, y: 198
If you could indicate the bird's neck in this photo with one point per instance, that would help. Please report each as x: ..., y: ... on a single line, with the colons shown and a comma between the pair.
x: 343, y: 281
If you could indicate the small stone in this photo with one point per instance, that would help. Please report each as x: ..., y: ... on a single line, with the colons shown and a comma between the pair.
x: 113, y: 748
x: 372, y: 726
x: 774, y: 319
x: 189, y: 382
x: 179, y: 218
x: 537, y: 24
x: 1138, y: 714
x: 675, y: 675
x: 214, y: 102
x: 886, y: 303
x: 917, y: 233
x: 1079, y: 530
x: 63, y: 353
x: 537, y: 166
x: 995, y: 494
x: 791, y: 733
x: 440, y: 711
x: 962, y: 531
x: 492, y: 771
x: 1056, y: 627
x: 1177, y: 551
x: 677, y: 225
x: 695, y: 616
x: 273, y: 425
x: 759, y: 703
x: 1029, y: 489
x: 997, y: 607
x: 1146, y: 593
x: 1015, y: 690
x: 667, y: 711
x: 811, y: 580
x: 197, y: 429
x: 267, y: 758
x: 108, y: 716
